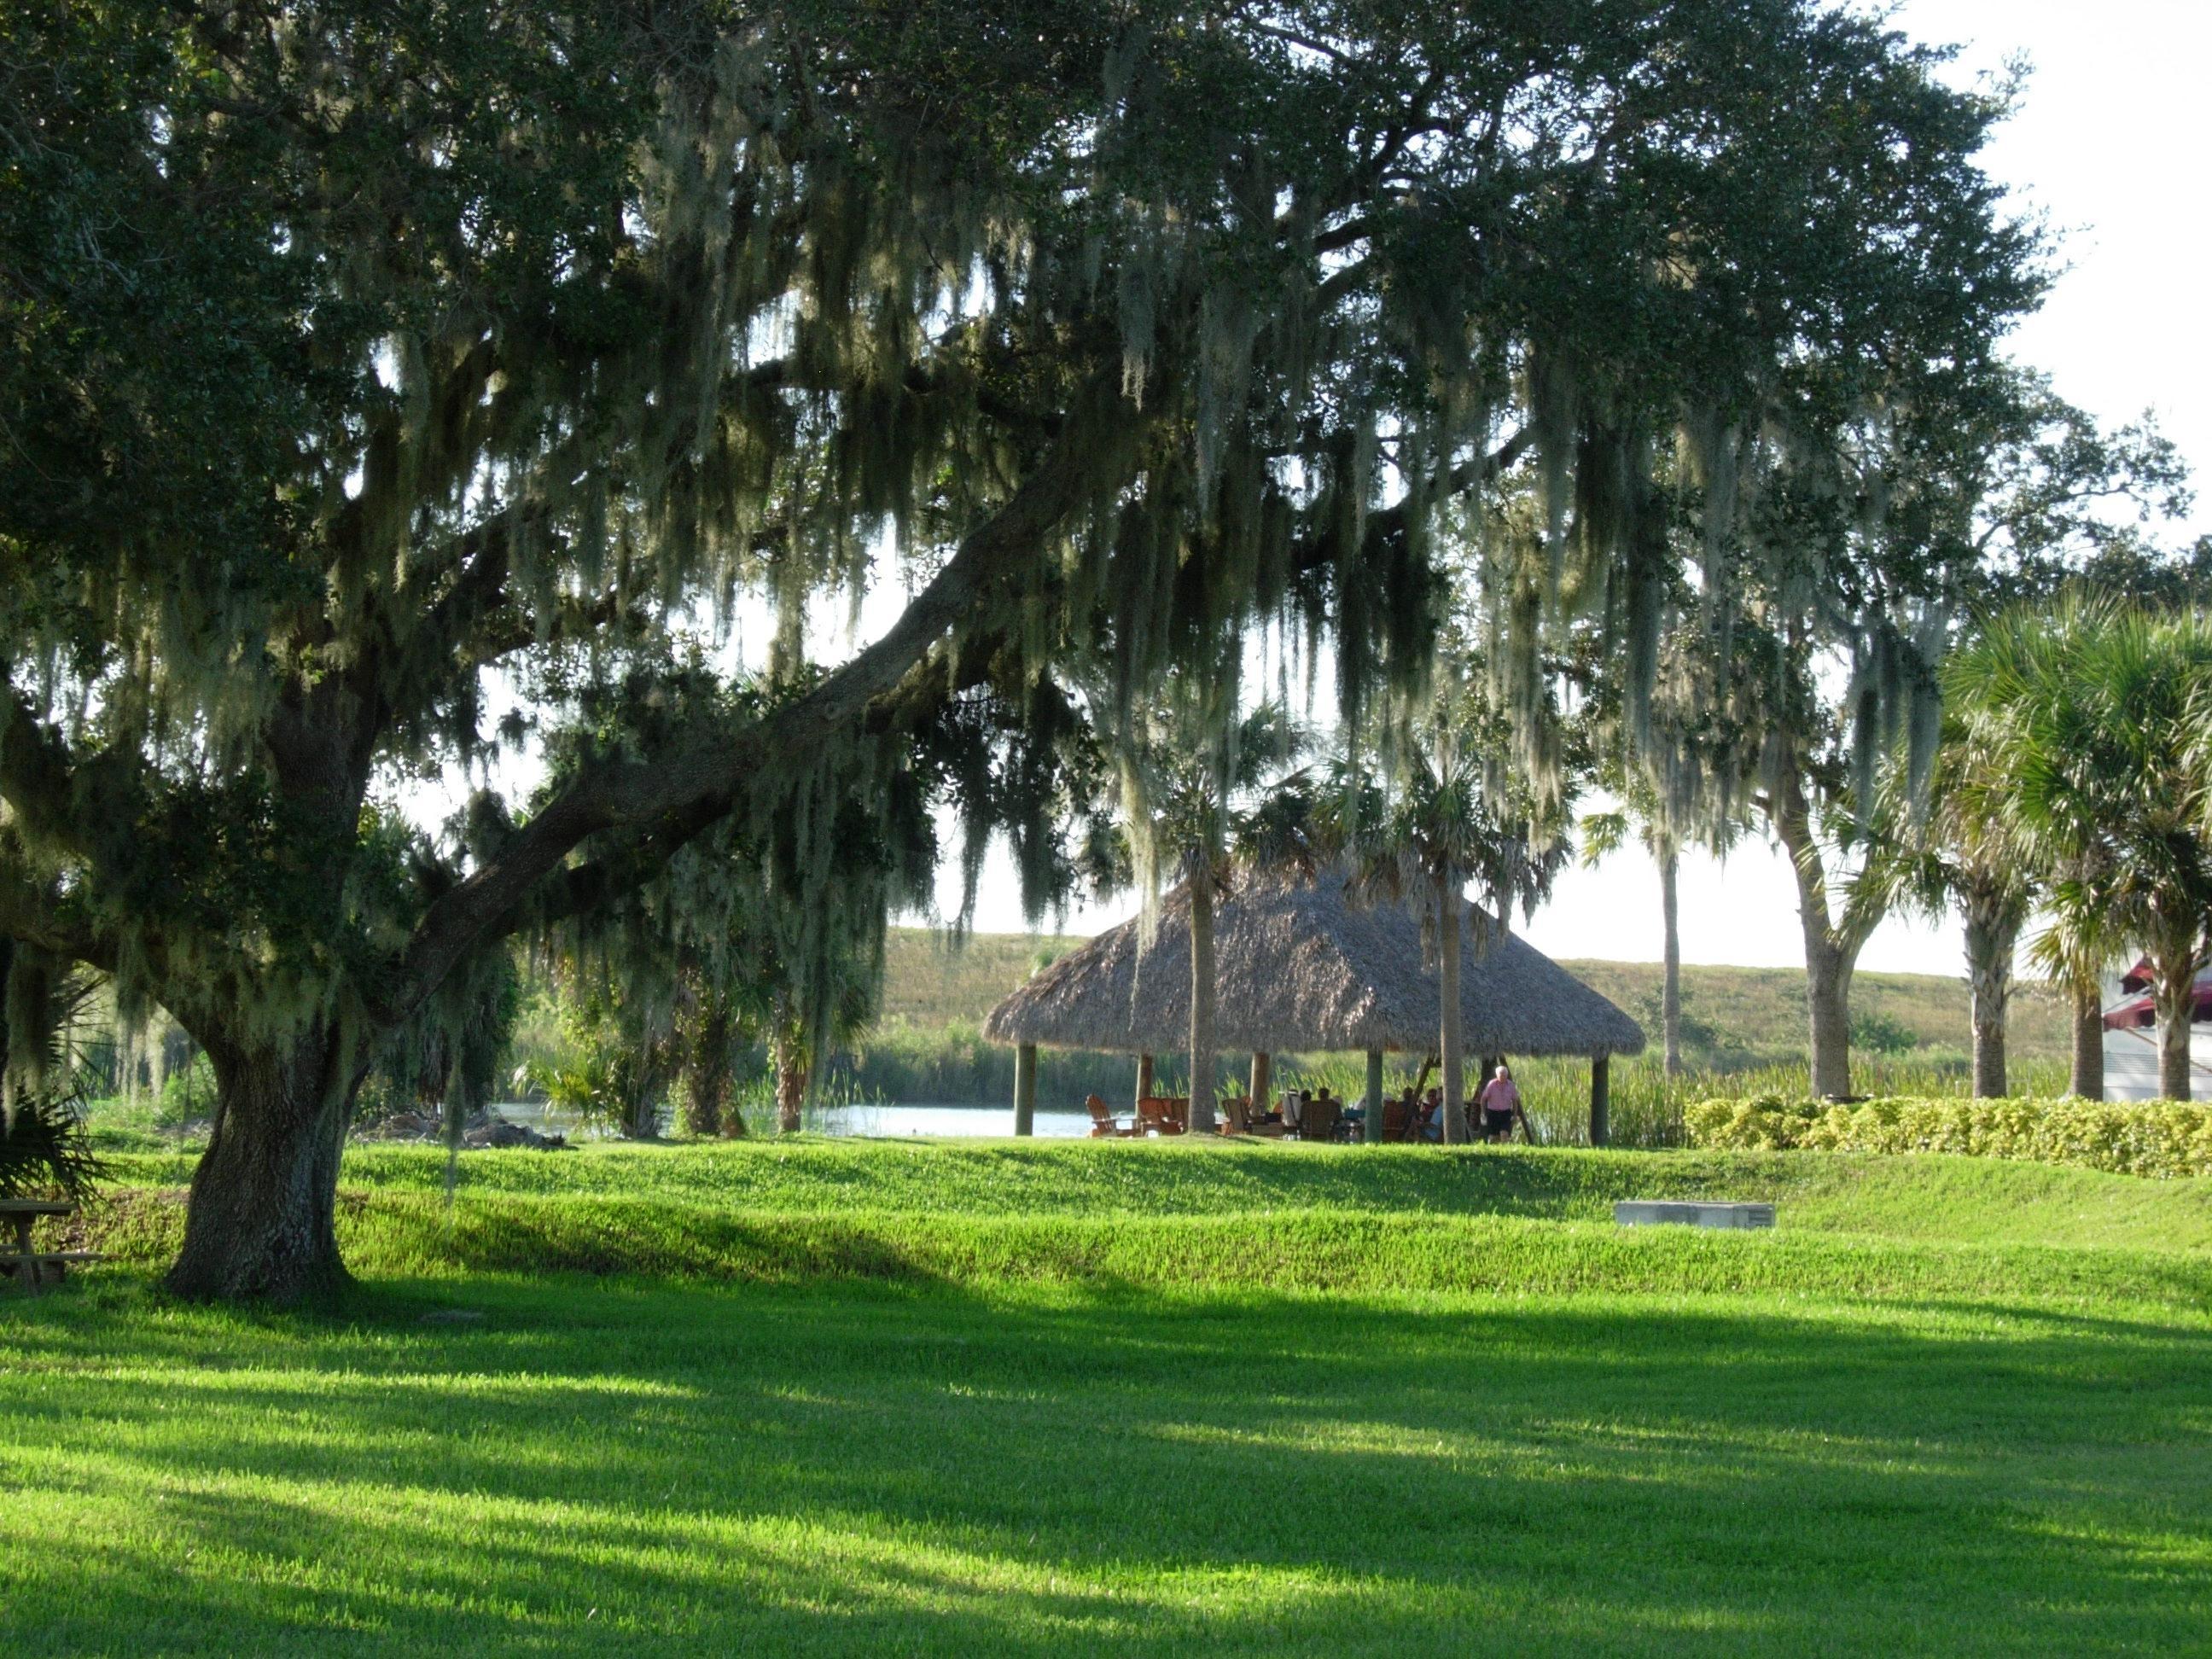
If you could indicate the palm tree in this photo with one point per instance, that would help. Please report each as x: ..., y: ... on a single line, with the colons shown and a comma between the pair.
x: 44, y: 1077
x: 1961, y: 857
x: 1189, y: 779
x: 1949, y: 849
x: 1454, y: 820
x: 1643, y: 813
x: 2091, y: 717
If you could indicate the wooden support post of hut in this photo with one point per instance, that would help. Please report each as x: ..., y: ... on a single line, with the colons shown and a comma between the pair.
x: 1302, y: 967
x: 1600, y: 1099
x: 1371, y: 1102
x: 1025, y: 1089
x: 1263, y: 1067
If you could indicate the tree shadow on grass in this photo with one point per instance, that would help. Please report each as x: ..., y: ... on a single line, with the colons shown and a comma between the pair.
x: 901, y: 1467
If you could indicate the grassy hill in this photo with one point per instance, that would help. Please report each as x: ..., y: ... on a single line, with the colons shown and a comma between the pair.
x: 1757, y: 1012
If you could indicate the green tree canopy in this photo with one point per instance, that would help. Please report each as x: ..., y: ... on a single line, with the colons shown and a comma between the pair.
x: 360, y: 360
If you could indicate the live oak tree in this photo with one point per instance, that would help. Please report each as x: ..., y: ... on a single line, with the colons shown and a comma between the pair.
x: 1860, y: 558
x: 367, y: 370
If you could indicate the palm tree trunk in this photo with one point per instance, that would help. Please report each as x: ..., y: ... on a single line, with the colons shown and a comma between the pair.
x: 1670, y: 989
x: 1202, y: 988
x: 706, y: 1073
x: 1448, y: 952
x: 2087, y: 1080
x: 1828, y: 1004
x: 1992, y: 930
x: 2173, y: 970
x: 790, y: 1075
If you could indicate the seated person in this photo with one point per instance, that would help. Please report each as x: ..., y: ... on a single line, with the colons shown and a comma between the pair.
x: 1324, y: 1111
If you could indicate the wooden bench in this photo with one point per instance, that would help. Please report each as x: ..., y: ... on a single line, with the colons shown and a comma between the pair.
x: 32, y: 1268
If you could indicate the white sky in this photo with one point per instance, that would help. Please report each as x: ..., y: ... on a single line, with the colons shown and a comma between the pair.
x: 2109, y: 145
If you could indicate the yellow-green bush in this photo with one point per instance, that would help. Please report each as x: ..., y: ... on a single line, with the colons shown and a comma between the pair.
x: 2159, y: 1137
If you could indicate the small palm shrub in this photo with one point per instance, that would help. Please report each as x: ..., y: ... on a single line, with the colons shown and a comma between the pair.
x: 44, y: 1151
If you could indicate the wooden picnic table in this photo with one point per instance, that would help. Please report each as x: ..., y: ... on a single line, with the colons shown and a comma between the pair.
x: 31, y: 1268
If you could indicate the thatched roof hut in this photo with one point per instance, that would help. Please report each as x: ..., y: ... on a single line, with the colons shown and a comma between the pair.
x: 1304, y: 969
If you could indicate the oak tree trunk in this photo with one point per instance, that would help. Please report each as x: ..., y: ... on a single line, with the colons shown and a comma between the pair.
x: 1829, y: 958
x: 259, y: 1224
x: 1448, y: 1040
x: 1991, y: 933
x: 1670, y: 987
x: 1202, y: 988
x: 2087, y: 1081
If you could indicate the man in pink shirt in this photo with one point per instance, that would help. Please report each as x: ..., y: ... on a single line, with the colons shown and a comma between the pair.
x: 1501, y: 1104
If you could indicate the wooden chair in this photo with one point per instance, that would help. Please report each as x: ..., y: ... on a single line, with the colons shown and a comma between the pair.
x: 1317, y: 1120
x: 1236, y: 1116
x: 1255, y: 1122
x: 1397, y: 1121
x: 1103, y: 1124
x: 1294, y: 1107
x: 1162, y: 1115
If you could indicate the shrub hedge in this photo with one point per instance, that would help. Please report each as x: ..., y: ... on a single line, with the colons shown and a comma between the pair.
x: 2161, y: 1138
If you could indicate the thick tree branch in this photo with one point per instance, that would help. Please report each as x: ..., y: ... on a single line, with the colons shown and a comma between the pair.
x: 1321, y: 551
x: 701, y: 782
x: 27, y: 912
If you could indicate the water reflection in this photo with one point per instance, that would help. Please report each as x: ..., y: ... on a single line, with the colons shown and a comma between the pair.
x: 918, y: 1118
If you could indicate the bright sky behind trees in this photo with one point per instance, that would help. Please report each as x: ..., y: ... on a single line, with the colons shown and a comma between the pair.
x: 2108, y: 145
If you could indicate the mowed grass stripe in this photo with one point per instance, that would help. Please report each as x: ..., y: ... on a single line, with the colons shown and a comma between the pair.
x: 1897, y: 1196
x: 387, y: 1233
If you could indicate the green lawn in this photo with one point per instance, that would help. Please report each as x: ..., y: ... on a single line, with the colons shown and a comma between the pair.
x: 977, y: 1399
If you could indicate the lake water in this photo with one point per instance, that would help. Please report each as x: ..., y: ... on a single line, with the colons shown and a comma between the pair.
x: 917, y: 1118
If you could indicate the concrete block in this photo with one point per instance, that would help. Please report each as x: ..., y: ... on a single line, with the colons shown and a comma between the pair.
x: 1665, y: 1213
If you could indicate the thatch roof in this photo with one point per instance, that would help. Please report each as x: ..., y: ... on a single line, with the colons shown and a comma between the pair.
x: 1302, y: 969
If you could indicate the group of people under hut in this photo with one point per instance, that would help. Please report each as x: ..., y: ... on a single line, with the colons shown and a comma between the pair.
x: 1317, y: 1115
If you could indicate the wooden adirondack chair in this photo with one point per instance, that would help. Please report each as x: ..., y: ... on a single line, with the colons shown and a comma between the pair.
x: 1163, y: 1115
x: 1317, y: 1120
x: 1103, y: 1124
